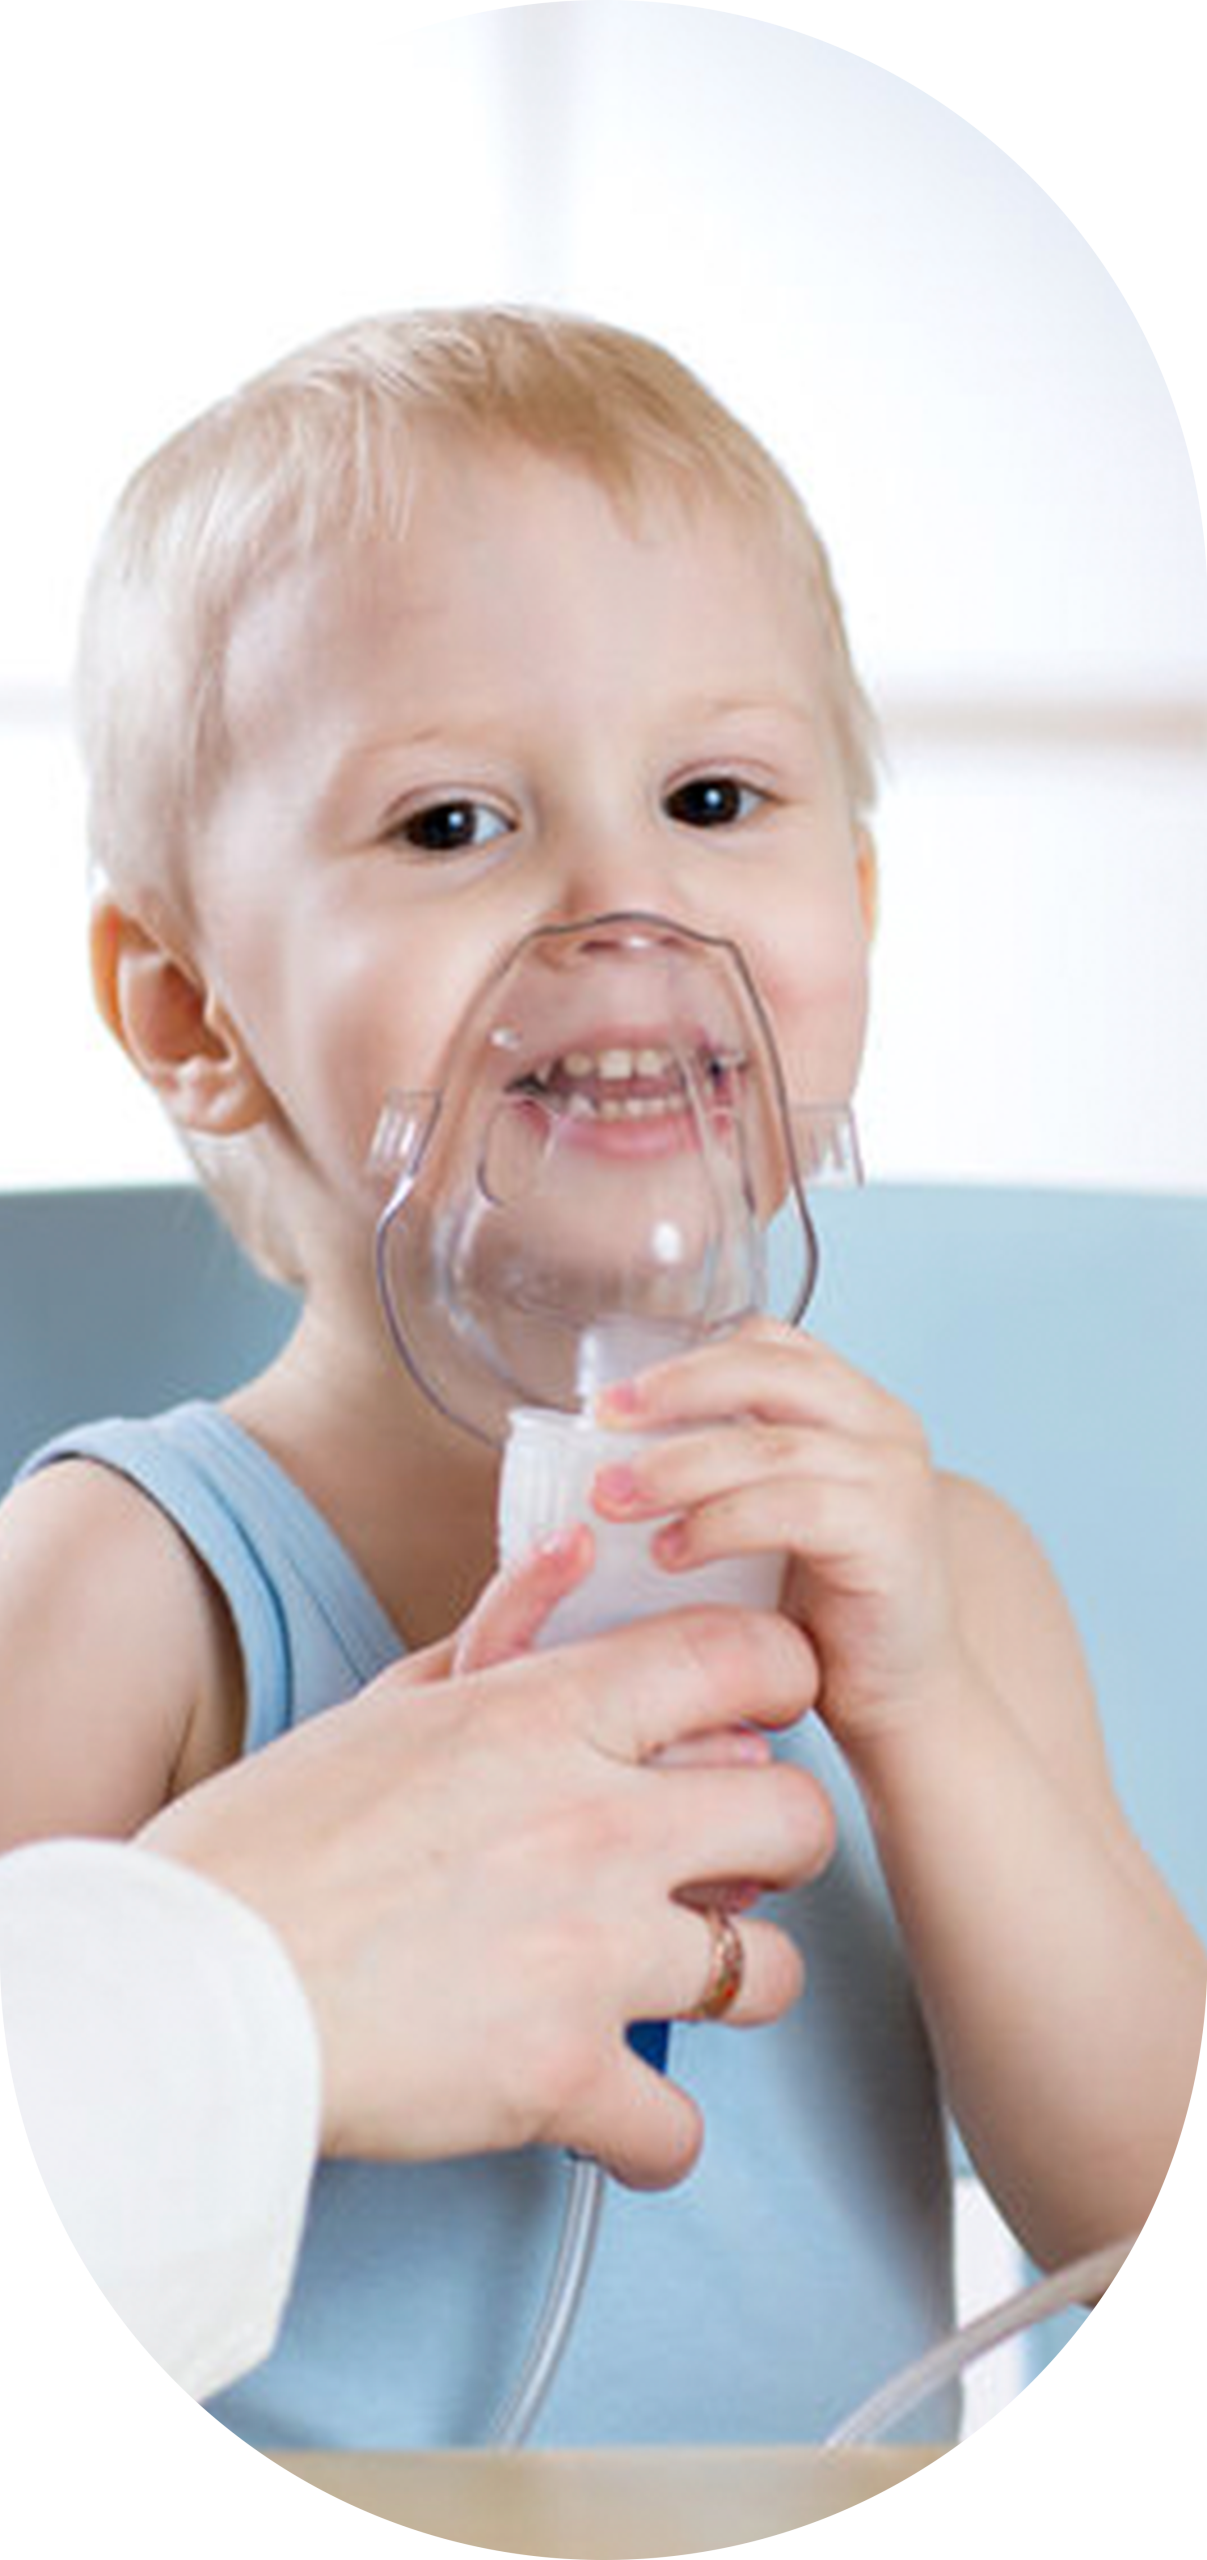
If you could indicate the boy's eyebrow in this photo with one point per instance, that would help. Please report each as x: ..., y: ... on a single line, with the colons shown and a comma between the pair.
x: 792, y: 706
x: 353, y: 765
x: 720, y: 710
x: 356, y: 762
x: 468, y: 724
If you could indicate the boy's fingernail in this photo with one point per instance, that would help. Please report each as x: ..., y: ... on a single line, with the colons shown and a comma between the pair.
x: 616, y: 1485
x: 617, y: 1403
x: 670, y: 1544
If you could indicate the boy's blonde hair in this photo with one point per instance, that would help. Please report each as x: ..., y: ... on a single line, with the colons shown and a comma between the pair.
x: 317, y: 448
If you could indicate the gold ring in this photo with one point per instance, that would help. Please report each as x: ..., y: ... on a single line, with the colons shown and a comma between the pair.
x: 726, y: 1969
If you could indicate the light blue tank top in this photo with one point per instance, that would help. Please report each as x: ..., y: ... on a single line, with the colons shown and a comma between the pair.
x: 806, y: 2258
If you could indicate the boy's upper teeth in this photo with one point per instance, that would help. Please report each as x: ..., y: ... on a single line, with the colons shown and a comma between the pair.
x: 612, y: 1066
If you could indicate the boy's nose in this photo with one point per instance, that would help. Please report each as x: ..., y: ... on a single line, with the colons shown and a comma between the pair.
x: 614, y: 936
x: 620, y: 871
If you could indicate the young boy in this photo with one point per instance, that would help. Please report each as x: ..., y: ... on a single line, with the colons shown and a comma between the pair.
x: 447, y: 629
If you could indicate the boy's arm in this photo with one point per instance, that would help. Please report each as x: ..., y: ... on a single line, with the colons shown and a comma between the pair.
x: 1063, y: 1987
x: 119, y: 1668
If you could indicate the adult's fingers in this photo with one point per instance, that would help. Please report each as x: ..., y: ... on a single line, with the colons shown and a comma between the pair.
x: 692, y: 1671
x: 639, y: 2125
x: 638, y: 2122
x: 772, y: 1970
x: 772, y: 1827
x: 508, y: 1617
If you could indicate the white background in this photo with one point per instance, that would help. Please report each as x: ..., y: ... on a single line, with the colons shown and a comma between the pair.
x: 972, y: 410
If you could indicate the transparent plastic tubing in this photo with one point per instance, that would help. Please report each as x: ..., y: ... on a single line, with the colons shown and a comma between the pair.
x: 1075, y: 2284
x: 567, y: 2284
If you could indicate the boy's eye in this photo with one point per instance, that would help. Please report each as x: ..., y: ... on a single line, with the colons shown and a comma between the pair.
x: 712, y: 800
x: 452, y: 826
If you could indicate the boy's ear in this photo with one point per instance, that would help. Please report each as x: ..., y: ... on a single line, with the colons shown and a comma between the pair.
x: 172, y: 1027
x: 867, y: 872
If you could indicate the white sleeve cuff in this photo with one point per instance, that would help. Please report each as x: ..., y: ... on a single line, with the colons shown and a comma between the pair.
x: 167, y: 2068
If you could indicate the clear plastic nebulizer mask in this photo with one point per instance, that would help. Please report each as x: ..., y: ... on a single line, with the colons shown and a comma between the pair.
x: 592, y: 1190
x: 594, y: 1183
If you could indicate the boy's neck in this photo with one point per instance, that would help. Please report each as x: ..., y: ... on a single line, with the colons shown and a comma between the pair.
x: 410, y: 1497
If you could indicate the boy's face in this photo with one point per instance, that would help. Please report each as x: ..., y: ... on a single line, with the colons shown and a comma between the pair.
x: 525, y: 712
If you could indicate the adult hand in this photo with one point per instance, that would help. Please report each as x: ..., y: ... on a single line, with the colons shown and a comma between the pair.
x: 476, y: 1873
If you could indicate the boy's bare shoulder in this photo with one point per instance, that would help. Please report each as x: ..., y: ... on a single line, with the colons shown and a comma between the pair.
x: 121, y: 1673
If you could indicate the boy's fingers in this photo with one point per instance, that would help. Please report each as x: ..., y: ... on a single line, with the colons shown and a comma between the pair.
x: 764, y: 1369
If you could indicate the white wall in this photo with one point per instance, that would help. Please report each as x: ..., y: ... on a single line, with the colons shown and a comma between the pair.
x: 977, y: 420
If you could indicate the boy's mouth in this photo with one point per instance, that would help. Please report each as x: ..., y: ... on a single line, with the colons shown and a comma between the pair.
x: 631, y: 1081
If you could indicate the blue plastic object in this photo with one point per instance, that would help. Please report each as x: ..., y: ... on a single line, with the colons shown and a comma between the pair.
x: 650, y: 2039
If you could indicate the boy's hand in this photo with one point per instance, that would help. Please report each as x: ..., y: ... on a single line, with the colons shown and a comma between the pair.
x: 820, y: 1463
